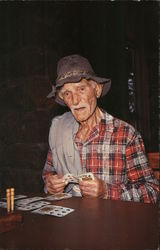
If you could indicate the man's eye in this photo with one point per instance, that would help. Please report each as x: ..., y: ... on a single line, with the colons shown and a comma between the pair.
x: 66, y: 94
x: 82, y: 88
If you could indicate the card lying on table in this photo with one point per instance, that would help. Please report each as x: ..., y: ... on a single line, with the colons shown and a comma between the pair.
x: 17, y: 197
x: 57, y: 211
x: 59, y: 196
x: 32, y: 206
x: 69, y: 178
x: 3, y: 204
x: 28, y: 200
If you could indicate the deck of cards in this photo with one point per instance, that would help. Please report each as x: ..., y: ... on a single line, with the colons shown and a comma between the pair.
x: 70, y: 178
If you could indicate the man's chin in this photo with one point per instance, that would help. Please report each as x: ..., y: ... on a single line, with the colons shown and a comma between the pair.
x: 80, y: 118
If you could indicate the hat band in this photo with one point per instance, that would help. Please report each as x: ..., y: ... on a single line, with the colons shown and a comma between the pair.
x: 72, y: 73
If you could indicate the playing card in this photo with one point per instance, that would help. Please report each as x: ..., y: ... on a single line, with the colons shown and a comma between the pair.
x: 86, y: 177
x: 69, y: 178
x: 59, y: 196
x: 3, y: 204
x: 32, y: 206
x: 17, y: 197
x: 29, y: 200
x: 57, y: 211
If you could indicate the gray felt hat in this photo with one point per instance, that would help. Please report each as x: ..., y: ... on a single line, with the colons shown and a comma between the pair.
x: 72, y: 69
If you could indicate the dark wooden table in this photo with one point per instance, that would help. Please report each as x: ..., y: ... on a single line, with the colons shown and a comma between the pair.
x: 95, y: 224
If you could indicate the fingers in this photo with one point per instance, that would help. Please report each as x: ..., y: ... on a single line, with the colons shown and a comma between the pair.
x: 93, y: 188
x: 55, y: 184
x: 88, y: 188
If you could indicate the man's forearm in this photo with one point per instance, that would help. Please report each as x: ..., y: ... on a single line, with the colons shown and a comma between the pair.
x: 147, y: 193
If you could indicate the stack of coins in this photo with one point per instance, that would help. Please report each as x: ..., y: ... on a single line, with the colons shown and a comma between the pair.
x: 10, y: 199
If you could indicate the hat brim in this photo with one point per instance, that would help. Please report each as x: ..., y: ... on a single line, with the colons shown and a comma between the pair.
x: 74, y: 79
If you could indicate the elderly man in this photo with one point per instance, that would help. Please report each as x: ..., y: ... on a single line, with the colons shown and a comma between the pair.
x: 88, y: 139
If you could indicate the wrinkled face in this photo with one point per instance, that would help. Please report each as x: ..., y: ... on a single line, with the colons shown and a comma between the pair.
x: 81, y: 98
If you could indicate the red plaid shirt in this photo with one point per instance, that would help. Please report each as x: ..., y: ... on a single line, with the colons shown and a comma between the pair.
x: 114, y: 152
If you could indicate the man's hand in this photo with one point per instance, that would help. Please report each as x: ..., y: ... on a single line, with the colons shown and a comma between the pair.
x: 55, y: 184
x: 93, y: 188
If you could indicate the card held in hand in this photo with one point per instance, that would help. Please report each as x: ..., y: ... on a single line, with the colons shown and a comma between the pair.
x: 86, y: 177
x: 69, y: 178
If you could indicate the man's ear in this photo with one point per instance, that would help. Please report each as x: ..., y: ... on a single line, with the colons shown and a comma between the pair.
x: 98, y: 89
x: 60, y: 95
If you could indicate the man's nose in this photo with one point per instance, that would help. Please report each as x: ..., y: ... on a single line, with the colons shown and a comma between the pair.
x: 75, y: 98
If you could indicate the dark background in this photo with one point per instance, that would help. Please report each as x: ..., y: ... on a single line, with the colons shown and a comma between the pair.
x: 117, y: 37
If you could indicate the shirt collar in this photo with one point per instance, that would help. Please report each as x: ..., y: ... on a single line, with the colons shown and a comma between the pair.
x: 106, y: 124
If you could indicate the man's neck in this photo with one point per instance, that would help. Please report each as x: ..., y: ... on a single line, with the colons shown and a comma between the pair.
x: 86, y: 127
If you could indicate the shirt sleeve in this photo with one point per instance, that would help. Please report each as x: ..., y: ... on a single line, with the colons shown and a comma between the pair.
x: 48, y: 168
x: 141, y: 184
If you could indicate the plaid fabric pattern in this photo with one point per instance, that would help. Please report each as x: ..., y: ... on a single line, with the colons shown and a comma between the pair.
x: 115, y: 153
